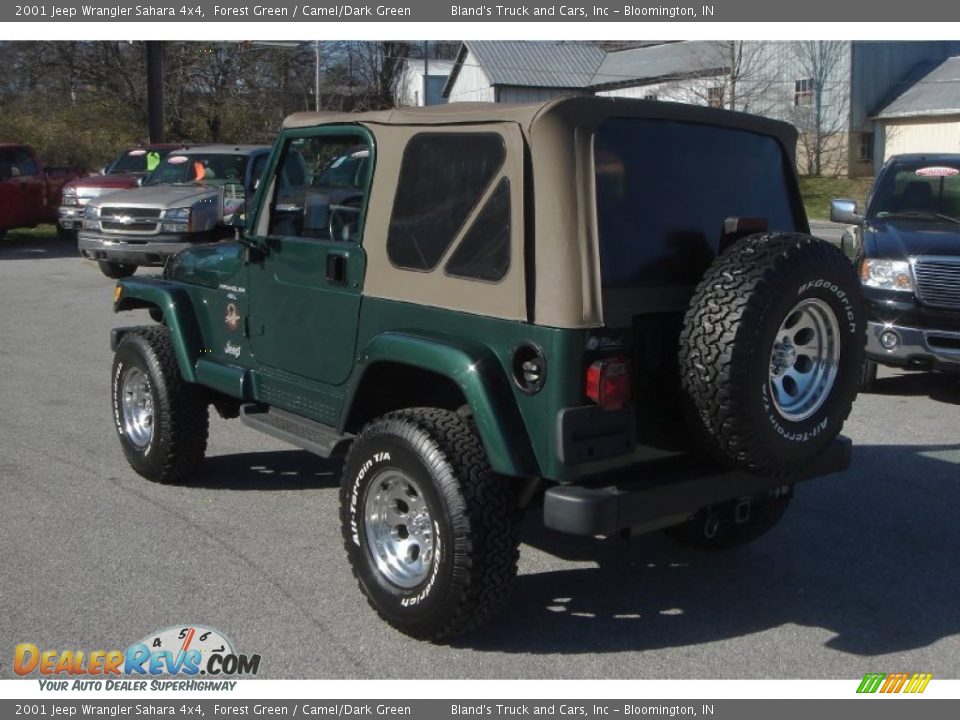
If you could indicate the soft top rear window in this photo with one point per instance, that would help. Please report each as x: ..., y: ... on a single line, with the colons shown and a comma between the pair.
x: 664, y: 190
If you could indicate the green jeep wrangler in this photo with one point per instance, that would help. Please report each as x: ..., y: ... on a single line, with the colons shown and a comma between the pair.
x: 608, y: 309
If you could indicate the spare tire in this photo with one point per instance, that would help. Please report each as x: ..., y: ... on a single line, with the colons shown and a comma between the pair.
x: 771, y: 351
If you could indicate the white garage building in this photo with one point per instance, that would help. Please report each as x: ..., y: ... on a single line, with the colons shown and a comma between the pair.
x: 925, y: 118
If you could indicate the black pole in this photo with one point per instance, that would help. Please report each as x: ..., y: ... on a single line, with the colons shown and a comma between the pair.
x: 155, y: 89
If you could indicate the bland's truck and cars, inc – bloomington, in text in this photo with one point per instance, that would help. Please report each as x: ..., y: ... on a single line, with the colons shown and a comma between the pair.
x: 610, y: 310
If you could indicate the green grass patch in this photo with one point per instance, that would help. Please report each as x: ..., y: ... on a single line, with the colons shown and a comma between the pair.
x: 40, y: 231
x: 817, y: 192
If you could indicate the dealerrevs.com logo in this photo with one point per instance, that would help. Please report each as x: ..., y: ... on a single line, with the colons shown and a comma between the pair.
x: 186, y: 657
x: 887, y: 683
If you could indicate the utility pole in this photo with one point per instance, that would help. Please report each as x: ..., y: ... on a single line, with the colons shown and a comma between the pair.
x: 155, y: 90
x: 426, y: 44
x: 316, y: 74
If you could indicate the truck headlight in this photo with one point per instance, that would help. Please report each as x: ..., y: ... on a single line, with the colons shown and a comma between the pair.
x: 91, y: 217
x: 176, y: 220
x: 69, y: 197
x: 886, y: 274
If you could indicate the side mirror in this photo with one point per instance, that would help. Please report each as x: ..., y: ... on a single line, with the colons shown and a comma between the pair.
x: 843, y: 210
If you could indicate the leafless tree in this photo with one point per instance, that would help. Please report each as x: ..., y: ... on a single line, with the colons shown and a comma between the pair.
x: 820, y: 109
x: 79, y: 102
x: 734, y: 74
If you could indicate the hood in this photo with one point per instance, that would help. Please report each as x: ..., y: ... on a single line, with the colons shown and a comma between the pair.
x: 119, y: 181
x: 896, y: 239
x: 161, y: 196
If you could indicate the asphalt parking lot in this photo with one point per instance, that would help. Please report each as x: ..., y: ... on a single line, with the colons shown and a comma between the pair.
x: 861, y: 576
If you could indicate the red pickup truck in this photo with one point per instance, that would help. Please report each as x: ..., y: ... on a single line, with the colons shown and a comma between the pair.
x: 29, y: 192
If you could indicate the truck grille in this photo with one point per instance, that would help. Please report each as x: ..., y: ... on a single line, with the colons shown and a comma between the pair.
x: 938, y: 282
x: 127, y: 219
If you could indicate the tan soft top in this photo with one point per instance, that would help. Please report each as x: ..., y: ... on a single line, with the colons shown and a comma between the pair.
x: 576, y: 110
x: 550, y: 151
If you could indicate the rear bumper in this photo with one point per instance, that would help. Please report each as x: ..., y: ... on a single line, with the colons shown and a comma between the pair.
x: 132, y: 249
x: 668, y: 489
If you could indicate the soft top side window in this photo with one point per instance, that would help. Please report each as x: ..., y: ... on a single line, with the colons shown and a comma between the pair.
x: 443, y: 177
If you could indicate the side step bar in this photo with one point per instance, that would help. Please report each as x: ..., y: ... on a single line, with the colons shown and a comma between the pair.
x: 669, y: 489
x: 299, y: 431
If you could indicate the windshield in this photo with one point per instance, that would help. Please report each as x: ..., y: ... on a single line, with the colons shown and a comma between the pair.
x: 137, y: 160
x: 208, y: 169
x: 346, y: 171
x: 918, y: 190
x: 665, y: 189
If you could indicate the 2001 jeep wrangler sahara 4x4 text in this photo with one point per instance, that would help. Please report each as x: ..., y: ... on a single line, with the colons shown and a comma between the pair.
x: 613, y: 305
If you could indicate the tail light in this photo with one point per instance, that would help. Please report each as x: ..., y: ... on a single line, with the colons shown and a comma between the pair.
x: 608, y: 382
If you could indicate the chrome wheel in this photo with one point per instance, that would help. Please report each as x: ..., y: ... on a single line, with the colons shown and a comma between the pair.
x: 804, y: 359
x: 399, y: 529
x: 136, y: 404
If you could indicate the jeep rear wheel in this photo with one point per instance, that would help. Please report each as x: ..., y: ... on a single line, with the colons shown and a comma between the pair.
x: 116, y: 270
x: 771, y: 351
x: 162, y: 421
x: 430, y: 531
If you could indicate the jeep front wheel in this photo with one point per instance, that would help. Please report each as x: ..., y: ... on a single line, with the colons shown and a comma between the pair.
x: 771, y: 351
x: 430, y: 531
x: 162, y: 421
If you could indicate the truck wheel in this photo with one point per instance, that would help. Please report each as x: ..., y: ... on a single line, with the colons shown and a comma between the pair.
x: 733, y: 523
x: 161, y: 419
x: 430, y: 531
x: 868, y: 376
x: 66, y: 235
x: 116, y: 270
x: 771, y: 351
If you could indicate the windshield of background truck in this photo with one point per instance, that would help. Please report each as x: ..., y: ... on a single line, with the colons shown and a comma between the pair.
x: 346, y: 171
x: 918, y: 190
x: 202, y: 168
x: 665, y: 188
x: 131, y: 161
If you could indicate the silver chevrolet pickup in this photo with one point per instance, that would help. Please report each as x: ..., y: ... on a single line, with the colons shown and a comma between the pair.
x: 194, y: 195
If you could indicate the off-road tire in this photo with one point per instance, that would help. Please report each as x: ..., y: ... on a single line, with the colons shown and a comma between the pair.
x: 116, y: 270
x: 180, y: 412
x: 727, y: 343
x: 474, y: 513
x: 715, y: 528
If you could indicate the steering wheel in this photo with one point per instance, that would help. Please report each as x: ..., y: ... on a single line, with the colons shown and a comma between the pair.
x: 343, y: 220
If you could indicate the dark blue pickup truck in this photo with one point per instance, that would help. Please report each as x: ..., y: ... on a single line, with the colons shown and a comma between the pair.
x: 907, y: 249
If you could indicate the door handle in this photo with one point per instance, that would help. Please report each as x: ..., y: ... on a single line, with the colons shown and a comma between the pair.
x: 336, y: 269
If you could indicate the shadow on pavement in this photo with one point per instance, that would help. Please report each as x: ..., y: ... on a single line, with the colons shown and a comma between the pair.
x: 939, y: 387
x: 19, y: 245
x: 276, y: 470
x: 870, y: 556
